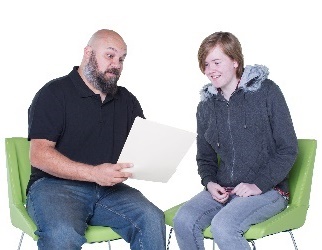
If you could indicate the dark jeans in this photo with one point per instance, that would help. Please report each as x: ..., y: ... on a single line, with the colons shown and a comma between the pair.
x: 62, y: 209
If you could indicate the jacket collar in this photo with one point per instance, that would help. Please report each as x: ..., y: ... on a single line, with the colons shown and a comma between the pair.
x: 251, y: 80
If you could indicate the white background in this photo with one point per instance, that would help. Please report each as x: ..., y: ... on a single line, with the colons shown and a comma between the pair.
x: 42, y: 40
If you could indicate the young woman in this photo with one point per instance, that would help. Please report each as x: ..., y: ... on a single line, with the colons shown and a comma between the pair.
x: 242, y: 120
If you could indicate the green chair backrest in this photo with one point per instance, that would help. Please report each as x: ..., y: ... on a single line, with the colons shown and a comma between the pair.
x: 300, y: 177
x: 17, y: 152
x: 300, y: 180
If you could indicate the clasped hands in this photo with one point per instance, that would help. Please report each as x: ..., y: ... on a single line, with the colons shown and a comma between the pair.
x: 221, y: 194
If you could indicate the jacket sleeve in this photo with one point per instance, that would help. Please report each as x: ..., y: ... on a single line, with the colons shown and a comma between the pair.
x: 206, y: 156
x: 279, y: 164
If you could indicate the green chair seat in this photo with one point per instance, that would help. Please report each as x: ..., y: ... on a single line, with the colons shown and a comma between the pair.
x: 18, y: 169
x: 293, y: 217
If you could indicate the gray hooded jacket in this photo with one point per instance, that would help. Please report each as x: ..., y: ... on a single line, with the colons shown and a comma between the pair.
x: 252, y: 134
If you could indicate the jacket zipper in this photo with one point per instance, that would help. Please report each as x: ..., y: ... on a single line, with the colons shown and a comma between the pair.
x: 232, y: 142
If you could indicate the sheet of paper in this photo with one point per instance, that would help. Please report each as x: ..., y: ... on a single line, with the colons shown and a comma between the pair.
x: 155, y: 150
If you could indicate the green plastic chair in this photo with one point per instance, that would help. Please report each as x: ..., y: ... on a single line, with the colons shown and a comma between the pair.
x: 293, y: 217
x: 18, y: 169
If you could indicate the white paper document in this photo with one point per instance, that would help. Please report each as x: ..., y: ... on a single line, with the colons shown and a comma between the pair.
x: 155, y: 150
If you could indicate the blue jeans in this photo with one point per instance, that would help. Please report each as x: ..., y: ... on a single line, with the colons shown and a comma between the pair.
x: 62, y: 209
x: 228, y: 221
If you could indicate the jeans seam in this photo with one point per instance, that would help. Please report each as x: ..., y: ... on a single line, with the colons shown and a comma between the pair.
x: 199, y: 218
x: 36, y: 182
x: 267, y: 204
x: 126, y: 218
x: 35, y: 219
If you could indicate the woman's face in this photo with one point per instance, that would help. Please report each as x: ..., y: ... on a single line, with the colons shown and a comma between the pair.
x: 220, y: 69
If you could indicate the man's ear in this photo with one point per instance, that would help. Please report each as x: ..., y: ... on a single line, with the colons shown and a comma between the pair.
x: 235, y: 64
x: 88, y: 50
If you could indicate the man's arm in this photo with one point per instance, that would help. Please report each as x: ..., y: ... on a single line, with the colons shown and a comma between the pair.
x: 44, y: 156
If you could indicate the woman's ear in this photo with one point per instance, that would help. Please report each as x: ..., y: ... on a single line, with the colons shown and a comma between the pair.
x: 235, y: 64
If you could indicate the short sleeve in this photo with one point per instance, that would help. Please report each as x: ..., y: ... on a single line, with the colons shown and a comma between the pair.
x: 46, y: 115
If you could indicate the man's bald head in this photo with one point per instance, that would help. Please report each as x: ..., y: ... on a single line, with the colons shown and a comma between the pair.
x: 105, y: 35
x: 102, y: 62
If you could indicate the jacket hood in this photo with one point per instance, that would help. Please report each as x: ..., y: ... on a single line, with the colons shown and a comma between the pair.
x: 251, y: 80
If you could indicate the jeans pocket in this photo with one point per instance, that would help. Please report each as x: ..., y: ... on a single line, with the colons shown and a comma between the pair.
x: 36, y: 183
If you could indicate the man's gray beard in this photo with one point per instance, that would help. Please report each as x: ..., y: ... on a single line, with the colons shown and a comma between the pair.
x: 107, y: 85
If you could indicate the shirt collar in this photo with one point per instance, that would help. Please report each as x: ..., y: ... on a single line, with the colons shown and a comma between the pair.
x: 83, y: 89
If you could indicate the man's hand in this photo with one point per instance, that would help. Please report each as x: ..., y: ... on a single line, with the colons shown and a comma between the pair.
x: 246, y: 189
x: 108, y: 174
x: 217, y: 192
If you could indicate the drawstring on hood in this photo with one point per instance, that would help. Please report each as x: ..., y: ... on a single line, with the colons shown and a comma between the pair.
x: 251, y: 81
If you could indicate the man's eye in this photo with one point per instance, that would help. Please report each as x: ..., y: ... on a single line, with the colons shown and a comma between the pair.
x: 110, y: 56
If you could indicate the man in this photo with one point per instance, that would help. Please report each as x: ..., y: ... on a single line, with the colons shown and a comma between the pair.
x: 78, y: 125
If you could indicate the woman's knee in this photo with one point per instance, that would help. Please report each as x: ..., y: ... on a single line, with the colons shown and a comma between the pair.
x: 221, y: 229
x: 177, y: 220
x: 183, y: 219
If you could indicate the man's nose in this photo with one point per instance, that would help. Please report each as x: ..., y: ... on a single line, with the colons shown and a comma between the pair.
x: 116, y: 63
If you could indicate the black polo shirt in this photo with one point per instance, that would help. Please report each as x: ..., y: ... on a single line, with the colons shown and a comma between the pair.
x: 85, y: 130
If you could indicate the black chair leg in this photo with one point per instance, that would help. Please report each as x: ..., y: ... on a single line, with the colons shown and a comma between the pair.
x: 251, y: 241
x: 253, y: 244
x: 170, y: 233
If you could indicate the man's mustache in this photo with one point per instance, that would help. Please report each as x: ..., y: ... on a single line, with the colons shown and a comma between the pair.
x: 113, y: 71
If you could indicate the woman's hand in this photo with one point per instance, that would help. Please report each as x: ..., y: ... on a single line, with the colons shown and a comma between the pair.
x: 217, y: 192
x: 246, y: 189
